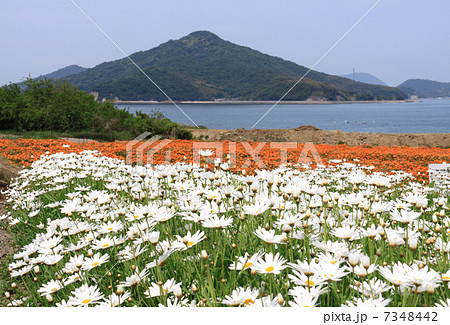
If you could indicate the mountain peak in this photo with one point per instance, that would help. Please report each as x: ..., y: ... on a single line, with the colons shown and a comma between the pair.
x: 200, y: 37
x: 202, y: 66
x: 202, y: 34
x: 364, y: 77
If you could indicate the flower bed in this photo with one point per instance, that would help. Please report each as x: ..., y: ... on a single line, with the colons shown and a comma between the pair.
x: 411, y: 160
x: 98, y: 232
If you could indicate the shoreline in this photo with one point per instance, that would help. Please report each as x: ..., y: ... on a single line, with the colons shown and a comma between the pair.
x: 264, y: 102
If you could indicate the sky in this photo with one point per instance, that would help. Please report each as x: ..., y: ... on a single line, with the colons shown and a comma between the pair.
x: 396, y: 41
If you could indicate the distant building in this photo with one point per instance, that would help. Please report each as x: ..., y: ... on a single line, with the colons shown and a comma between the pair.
x: 95, y: 94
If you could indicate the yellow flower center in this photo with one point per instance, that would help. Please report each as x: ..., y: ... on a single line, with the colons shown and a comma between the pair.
x: 54, y: 289
x: 247, y: 265
x: 106, y: 245
x: 270, y: 269
x: 95, y: 264
x: 86, y: 301
x: 189, y: 244
x: 109, y: 229
x: 446, y: 278
x: 309, y: 283
x: 248, y: 301
x: 333, y: 262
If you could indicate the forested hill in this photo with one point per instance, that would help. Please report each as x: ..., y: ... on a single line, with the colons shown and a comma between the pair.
x: 425, y: 88
x: 202, y: 66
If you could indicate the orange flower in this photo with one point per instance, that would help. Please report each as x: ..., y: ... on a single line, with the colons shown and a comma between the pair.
x: 385, y: 159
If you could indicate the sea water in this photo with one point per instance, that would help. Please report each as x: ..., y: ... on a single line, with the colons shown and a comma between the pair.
x: 426, y: 116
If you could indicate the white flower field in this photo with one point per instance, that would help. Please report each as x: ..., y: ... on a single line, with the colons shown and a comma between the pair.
x: 97, y: 232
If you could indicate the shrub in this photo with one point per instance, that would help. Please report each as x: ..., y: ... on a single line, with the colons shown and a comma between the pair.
x: 47, y: 105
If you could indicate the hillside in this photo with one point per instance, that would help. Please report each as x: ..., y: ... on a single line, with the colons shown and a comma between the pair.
x: 64, y: 72
x: 365, y: 78
x: 202, y: 66
x: 425, y: 88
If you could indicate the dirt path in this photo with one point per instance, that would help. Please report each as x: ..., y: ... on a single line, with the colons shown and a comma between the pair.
x: 312, y: 134
x: 7, y: 171
x: 5, y: 240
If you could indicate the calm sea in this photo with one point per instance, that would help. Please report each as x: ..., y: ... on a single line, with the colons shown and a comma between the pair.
x: 428, y: 116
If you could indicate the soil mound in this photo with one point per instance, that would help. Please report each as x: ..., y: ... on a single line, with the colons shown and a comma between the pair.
x: 307, y: 128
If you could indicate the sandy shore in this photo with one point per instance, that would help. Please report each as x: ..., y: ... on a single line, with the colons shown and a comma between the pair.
x: 312, y: 134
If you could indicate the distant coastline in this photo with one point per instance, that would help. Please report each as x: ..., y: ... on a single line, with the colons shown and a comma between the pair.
x: 264, y: 102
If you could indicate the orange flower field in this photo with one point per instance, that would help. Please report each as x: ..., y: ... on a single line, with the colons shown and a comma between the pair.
x: 23, y: 152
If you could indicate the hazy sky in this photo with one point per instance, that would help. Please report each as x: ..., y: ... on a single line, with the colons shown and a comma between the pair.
x: 398, y: 40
